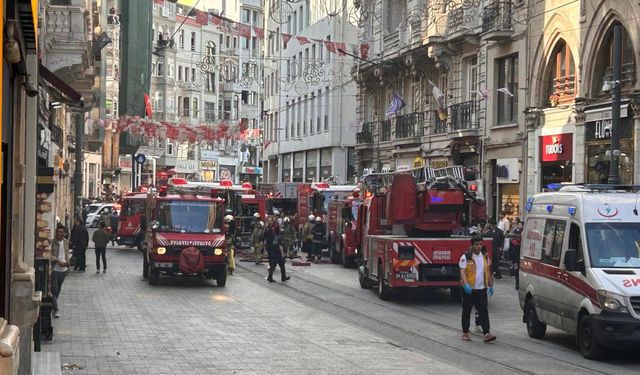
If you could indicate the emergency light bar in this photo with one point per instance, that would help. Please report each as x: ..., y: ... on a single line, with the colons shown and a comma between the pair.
x: 247, y: 186
x: 226, y: 183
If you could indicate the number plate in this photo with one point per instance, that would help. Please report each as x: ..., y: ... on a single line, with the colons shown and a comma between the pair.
x: 407, y: 276
x: 163, y: 265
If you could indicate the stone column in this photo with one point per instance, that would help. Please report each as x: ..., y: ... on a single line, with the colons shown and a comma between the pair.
x: 580, y: 147
x: 530, y: 159
x: 634, y: 103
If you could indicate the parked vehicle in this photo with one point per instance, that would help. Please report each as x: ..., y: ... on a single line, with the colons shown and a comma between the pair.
x: 341, y: 229
x: 95, y: 211
x: 132, y: 210
x: 580, y: 266
x: 405, y: 225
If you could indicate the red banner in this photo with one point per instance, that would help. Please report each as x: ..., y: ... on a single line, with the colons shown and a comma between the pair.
x: 556, y: 147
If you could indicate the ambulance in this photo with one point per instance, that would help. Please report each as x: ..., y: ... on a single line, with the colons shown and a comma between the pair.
x: 580, y: 266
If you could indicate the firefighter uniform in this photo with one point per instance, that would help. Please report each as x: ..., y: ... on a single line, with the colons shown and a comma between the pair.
x: 307, y: 237
x: 257, y: 241
x: 230, y: 242
x: 289, y: 237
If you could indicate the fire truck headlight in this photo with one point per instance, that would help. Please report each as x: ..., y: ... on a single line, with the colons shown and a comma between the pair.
x: 161, y: 250
x: 217, y: 251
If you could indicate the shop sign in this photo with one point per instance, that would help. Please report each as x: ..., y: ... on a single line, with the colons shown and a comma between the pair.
x: 186, y: 166
x: 250, y: 170
x: 208, y: 165
x: 601, y: 129
x: 596, y: 114
x: 438, y: 163
x: 208, y: 155
x: 507, y: 171
x: 227, y: 172
x: 556, y: 147
x: 125, y: 163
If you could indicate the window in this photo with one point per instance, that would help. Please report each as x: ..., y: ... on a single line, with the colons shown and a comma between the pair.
x: 193, y: 41
x: 552, y: 241
x: 181, y: 39
x: 193, y: 74
x: 171, y: 105
x: 159, y: 107
x: 301, y: 18
x: 613, y: 245
x: 304, y: 120
x: 115, y: 109
x: 180, y: 73
x: 160, y: 69
x: 246, y: 16
x: 294, y: 23
x: 288, y: 118
x: 326, y: 107
x: 179, y: 105
x: 604, y: 63
x: 320, y: 102
x: 575, y: 243
x: 195, y: 108
x: 170, y: 68
x: 395, y: 11
x: 507, y: 78
x: 313, y: 112
x: 209, y: 111
x: 211, y: 82
x: 211, y: 48
x: 185, y: 107
x: 561, y: 81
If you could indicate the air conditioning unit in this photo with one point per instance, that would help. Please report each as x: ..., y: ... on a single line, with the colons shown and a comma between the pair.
x: 165, y: 12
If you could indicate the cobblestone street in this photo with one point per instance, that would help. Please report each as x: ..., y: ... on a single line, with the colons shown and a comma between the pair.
x: 320, y: 322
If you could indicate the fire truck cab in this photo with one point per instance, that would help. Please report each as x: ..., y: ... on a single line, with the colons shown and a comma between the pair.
x: 405, y: 229
x: 341, y: 228
x: 185, y: 234
x: 132, y: 210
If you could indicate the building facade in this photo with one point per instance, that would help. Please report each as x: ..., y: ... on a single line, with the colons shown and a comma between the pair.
x: 569, y: 103
x: 309, y: 94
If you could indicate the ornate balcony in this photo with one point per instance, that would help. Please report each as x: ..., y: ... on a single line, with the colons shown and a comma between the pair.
x: 366, y: 135
x: 496, y: 21
x: 410, y: 125
x: 463, y: 19
x: 385, y: 131
x: 439, y: 125
x: 463, y: 119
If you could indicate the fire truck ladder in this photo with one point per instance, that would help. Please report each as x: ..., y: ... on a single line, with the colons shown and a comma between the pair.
x: 422, y: 175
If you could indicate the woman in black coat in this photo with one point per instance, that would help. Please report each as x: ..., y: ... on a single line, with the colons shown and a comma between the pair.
x: 273, y: 242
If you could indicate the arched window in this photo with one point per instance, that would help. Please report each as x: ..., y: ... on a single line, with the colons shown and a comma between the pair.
x: 561, y: 74
x: 603, y: 68
x: 185, y: 106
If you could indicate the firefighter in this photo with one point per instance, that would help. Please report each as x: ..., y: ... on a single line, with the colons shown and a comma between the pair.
x: 230, y: 240
x: 318, y: 232
x: 307, y: 237
x: 256, y: 220
x: 257, y: 241
x: 477, y: 283
x: 289, y: 236
x: 273, y: 241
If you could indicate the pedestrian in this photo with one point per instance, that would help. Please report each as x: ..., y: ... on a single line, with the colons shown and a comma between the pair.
x: 273, y: 240
x: 289, y: 236
x: 100, y: 240
x: 85, y: 213
x: 257, y: 241
x: 80, y: 242
x: 60, y: 256
x: 497, y: 239
x: 230, y: 238
x: 514, y: 251
x: 477, y: 283
x: 114, y: 226
x: 318, y: 232
x: 504, y: 225
x: 307, y: 237
x: 105, y: 217
x: 256, y: 220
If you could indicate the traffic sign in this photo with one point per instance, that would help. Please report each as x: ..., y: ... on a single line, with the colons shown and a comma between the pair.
x: 140, y: 158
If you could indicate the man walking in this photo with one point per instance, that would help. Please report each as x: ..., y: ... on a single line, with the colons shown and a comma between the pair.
x: 80, y: 242
x: 497, y: 241
x: 273, y: 241
x: 318, y: 231
x: 477, y: 282
x: 60, y: 256
x: 100, y: 240
x: 114, y: 226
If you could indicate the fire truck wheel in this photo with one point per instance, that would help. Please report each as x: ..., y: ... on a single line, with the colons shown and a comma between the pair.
x: 221, y: 278
x: 154, y: 276
x: 145, y: 266
x: 363, y: 278
x: 456, y: 293
x: 383, y: 291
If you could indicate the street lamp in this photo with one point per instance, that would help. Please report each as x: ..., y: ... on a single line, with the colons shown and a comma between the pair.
x: 615, y: 86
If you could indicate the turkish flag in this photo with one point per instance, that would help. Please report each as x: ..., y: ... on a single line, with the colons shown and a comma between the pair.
x: 147, y: 106
x: 244, y: 30
x: 285, y: 39
x: 364, y: 51
x: 202, y: 17
x: 259, y: 32
x: 303, y: 40
x: 342, y: 48
x: 217, y: 20
x: 331, y: 46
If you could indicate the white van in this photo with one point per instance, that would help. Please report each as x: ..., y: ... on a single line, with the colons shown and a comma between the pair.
x: 580, y: 266
x: 95, y: 211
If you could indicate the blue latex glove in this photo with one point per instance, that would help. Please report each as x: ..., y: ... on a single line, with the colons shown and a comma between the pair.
x: 490, y: 291
x: 467, y: 288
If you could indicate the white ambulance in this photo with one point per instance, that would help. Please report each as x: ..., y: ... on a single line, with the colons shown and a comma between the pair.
x: 580, y: 266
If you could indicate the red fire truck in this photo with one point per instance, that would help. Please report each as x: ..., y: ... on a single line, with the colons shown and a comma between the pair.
x: 132, y: 209
x: 186, y: 234
x: 341, y: 229
x: 405, y: 229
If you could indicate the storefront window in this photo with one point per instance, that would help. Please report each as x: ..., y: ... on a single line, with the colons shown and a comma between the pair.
x: 555, y: 172
x: 598, y: 163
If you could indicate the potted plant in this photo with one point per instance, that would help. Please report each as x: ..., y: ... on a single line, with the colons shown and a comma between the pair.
x: 554, y: 99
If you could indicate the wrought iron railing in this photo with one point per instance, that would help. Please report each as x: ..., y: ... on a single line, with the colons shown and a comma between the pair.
x: 410, y: 125
x: 497, y: 17
x: 366, y: 134
x: 464, y: 115
x: 439, y: 124
x: 385, y: 131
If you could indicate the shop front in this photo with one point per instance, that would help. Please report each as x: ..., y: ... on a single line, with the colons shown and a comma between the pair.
x: 598, y: 145
x: 298, y: 166
x: 507, y: 178
x: 250, y: 174
x: 325, y: 164
x: 186, y: 169
x: 312, y: 166
x: 227, y: 172
x: 208, y: 170
x: 286, y: 167
x: 556, y: 159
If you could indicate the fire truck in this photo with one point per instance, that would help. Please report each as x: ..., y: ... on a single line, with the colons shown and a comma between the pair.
x: 406, y: 225
x: 132, y: 209
x: 341, y: 229
x: 186, y: 234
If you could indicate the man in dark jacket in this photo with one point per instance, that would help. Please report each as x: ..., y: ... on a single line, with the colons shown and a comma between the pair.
x: 114, y: 226
x: 318, y: 232
x: 100, y: 240
x: 273, y: 242
x: 496, y: 246
x: 80, y: 242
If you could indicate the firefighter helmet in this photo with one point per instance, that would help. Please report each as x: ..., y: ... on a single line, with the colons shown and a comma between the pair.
x: 276, y: 213
x: 261, y: 223
x: 286, y: 220
x: 256, y: 215
x: 312, y: 218
x: 318, y: 219
x: 228, y: 219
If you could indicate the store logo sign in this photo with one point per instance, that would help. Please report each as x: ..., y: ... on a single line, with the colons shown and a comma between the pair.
x: 555, y: 148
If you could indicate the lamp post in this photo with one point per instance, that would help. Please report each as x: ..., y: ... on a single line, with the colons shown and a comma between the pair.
x: 614, y: 164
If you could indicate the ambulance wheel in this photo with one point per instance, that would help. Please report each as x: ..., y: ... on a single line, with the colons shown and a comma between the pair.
x: 587, y: 342
x: 221, y: 279
x: 154, y: 276
x: 456, y: 293
x: 535, y: 328
x: 383, y: 291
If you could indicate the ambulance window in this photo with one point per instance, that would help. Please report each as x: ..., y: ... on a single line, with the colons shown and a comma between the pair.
x: 575, y: 242
x: 552, y: 242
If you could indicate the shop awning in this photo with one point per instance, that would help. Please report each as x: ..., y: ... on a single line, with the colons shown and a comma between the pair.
x: 62, y: 91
